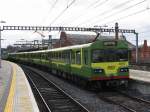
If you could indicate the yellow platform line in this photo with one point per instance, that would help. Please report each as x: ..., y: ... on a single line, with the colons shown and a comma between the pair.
x: 10, y: 99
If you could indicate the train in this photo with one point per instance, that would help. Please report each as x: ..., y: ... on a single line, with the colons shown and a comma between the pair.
x: 101, y: 63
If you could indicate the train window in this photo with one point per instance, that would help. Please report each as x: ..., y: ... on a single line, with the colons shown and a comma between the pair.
x: 54, y: 55
x: 68, y: 53
x: 78, y: 57
x: 39, y: 56
x: 63, y: 56
x: 85, y: 57
x: 66, y: 57
x: 109, y: 55
x: 72, y: 57
x: 49, y: 56
x: 97, y: 56
x: 46, y: 56
x: 59, y: 55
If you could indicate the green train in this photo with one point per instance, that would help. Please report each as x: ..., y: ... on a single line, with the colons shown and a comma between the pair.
x: 103, y: 62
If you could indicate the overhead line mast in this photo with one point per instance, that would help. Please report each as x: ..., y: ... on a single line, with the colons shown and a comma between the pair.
x: 97, y: 30
x: 47, y: 28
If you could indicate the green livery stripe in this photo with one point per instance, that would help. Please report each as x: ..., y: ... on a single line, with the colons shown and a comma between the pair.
x: 76, y: 66
x: 58, y: 63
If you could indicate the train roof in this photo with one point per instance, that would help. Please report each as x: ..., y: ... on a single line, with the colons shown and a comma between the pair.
x: 57, y: 49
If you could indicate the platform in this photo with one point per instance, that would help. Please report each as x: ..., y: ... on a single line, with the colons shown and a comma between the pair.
x: 140, y: 75
x: 15, y: 92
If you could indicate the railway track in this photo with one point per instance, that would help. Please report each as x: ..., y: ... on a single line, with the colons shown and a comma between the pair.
x: 51, y: 98
x: 128, y: 102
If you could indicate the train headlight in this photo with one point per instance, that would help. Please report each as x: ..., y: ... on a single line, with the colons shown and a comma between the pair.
x: 124, y: 69
x: 98, y: 70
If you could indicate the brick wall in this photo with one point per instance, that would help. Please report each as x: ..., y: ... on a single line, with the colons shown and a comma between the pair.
x: 64, y: 41
x: 144, y: 53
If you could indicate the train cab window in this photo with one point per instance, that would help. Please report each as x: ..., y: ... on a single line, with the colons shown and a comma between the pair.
x: 122, y: 55
x: 98, y: 56
x: 109, y: 55
x: 85, y: 57
x: 78, y: 57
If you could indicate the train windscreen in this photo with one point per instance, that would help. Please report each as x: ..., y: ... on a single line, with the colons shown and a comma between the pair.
x: 109, y: 55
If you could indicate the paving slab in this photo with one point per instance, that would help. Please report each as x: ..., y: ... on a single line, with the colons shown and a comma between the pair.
x: 15, y: 92
x: 140, y: 75
x: 5, y: 79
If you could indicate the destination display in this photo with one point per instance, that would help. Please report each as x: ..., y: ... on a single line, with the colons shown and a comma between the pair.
x: 110, y: 43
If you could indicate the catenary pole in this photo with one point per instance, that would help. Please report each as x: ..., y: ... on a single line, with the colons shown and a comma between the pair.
x: 137, y: 52
x: 0, y: 49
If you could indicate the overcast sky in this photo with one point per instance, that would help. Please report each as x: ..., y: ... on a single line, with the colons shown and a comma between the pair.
x: 130, y: 14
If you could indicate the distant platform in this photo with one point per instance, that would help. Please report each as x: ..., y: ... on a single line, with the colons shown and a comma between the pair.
x: 140, y: 75
x: 15, y: 92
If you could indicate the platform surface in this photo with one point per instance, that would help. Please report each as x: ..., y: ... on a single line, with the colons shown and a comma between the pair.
x: 140, y: 75
x: 5, y: 79
x: 15, y: 92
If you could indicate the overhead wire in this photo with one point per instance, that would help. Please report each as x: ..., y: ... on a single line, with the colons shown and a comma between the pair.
x: 101, y: 3
x: 50, y: 10
x: 132, y: 14
x: 92, y: 4
x: 54, y: 5
x: 120, y: 11
x: 107, y: 11
x: 44, y: 19
x: 63, y: 11
x: 97, y: 3
x: 146, y: 31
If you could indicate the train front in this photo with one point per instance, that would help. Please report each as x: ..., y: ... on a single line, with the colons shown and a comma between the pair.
x: 109, y: 61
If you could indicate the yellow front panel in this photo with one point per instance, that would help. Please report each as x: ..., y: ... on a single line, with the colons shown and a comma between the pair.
x: 110, y: 67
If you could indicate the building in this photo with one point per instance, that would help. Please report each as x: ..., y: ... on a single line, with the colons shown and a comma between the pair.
x: 144, y: 53
x: 77, y: 39
x: 73, y: 39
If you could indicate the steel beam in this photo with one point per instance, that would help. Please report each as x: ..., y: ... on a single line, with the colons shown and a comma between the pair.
x: 46, y: 28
